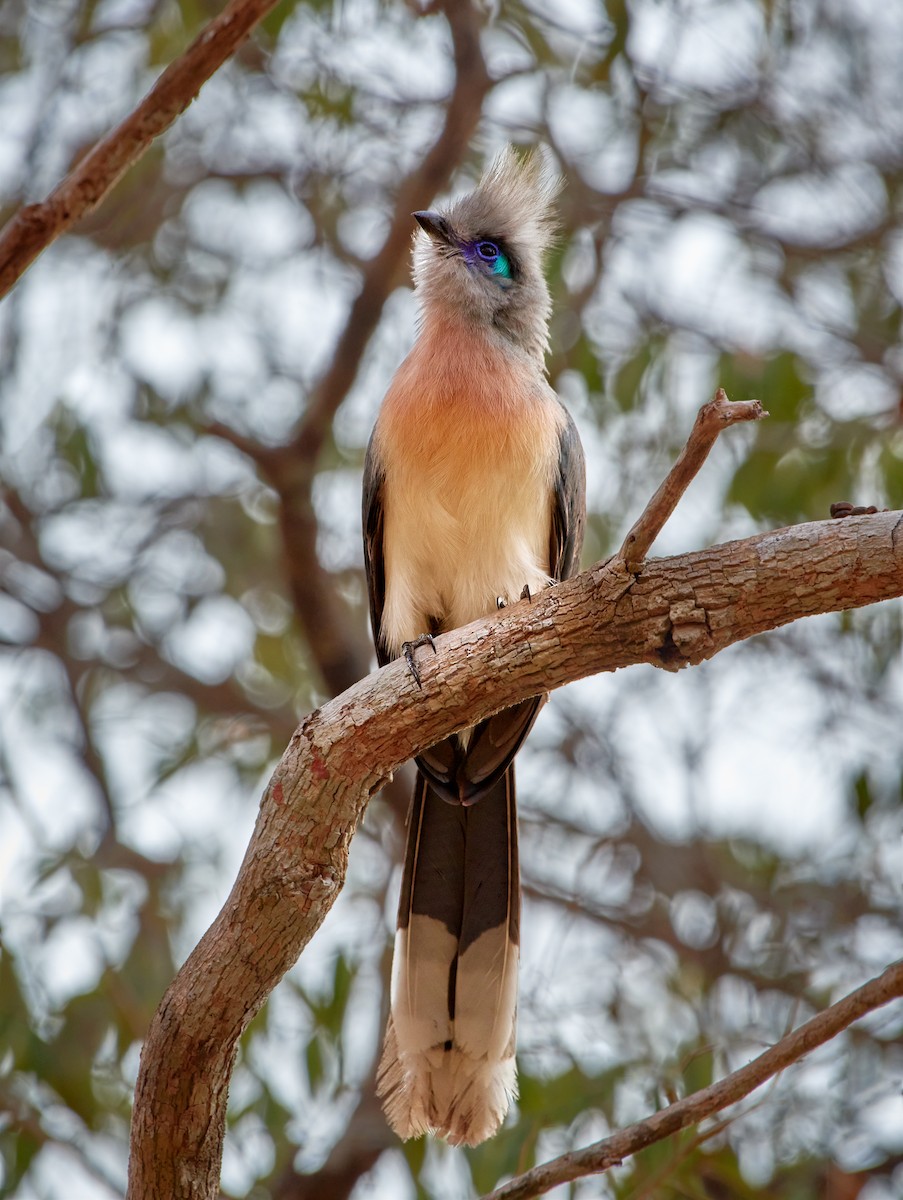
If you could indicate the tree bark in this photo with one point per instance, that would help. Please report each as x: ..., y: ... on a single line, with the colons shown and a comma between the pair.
x: 670, y: 612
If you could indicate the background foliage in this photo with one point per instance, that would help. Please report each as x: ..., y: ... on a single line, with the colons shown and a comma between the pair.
x: 708, y: 857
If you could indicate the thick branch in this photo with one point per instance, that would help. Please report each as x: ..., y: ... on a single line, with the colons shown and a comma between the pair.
x: 677, y: 611
x: 34, y: 227
x: 692, y: 1109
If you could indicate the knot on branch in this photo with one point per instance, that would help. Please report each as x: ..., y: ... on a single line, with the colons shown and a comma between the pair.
x: 688, y: 640
x: 321, y: 885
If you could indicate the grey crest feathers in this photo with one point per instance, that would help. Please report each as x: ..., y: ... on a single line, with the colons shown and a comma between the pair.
x: 513, y: 207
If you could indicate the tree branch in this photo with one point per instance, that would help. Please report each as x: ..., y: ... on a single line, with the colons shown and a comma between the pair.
x: 676, y: 611
x: 35, y: 226
x: 341, y: 652
x: 711, y: 420
x: 611, y: 1151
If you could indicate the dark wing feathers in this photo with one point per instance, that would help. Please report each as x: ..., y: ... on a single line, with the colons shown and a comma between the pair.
x: 433, y: 880
x: 462, y: 774
x: 374, y: 562
x: 569, y: 505
x: 492, y: 873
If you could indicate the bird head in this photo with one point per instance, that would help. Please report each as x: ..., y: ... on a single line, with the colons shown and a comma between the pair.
x: 480, y: 260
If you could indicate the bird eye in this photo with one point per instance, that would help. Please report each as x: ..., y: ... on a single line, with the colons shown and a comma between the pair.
x: 488, y: 251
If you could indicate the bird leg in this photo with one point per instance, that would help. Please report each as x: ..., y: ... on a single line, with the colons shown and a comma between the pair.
x: 408, y: 648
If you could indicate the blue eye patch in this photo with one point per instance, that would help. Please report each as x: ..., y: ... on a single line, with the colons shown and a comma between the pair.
x: 489, y: 253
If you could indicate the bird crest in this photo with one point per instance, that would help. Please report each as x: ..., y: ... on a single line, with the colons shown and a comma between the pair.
x: 514, y: 202
x: 480, y: 258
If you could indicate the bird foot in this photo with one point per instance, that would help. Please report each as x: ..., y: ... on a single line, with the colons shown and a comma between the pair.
x: 408, y: 648
x: 501, y: 602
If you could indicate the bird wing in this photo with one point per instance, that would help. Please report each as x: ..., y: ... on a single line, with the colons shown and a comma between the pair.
x: 568, y: 504
x: 374, y: 561
x: 461, y: 771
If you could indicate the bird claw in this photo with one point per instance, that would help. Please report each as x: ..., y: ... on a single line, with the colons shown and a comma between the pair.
x: 501, y: 602
x: 408, y: 648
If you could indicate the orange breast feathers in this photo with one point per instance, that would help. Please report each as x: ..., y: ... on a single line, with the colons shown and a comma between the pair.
x: 468, y: 442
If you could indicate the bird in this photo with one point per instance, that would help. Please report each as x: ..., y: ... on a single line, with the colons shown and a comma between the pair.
x: 474, y: 496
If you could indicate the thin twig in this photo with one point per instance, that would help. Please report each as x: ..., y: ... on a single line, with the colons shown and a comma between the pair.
x: 714, y: 417
x: 612, y: 1151
x: 35, y: 226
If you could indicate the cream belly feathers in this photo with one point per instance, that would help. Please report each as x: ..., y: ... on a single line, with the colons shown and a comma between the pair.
x: 469, y: 446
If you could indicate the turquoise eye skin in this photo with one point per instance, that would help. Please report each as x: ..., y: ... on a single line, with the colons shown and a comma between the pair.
x: 492, y: 256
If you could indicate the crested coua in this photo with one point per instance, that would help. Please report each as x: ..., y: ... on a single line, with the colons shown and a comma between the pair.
x: 473, y: 492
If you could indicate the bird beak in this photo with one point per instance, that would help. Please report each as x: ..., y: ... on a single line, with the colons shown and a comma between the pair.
x: 435, y: 226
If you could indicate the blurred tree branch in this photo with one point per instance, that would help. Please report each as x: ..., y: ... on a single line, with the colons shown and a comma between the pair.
x: 35, y: 226
x: 146, y: 665
x: 339, y: 646
x: 694, y: 1108
x: 334, y: 634
x: 675, y: 611
x: 366, y: 1137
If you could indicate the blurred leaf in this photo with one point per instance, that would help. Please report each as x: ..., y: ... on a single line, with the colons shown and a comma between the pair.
x: 74, y: 442
x: 272, y: 23
x: 863, y: 794
x: 699, y: 1070
x: 560, y: 1099
x: 18, y: 1148
x: 775, y: 381
x: 891, y: 463
x: 15, y: 1018
x: 796, y: 485
x: 313, y: 1059
x: 585, y: 359
x: 627, y: 387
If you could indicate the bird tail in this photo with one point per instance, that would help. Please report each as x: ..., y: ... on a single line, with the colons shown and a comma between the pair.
x: 447, y: 1066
